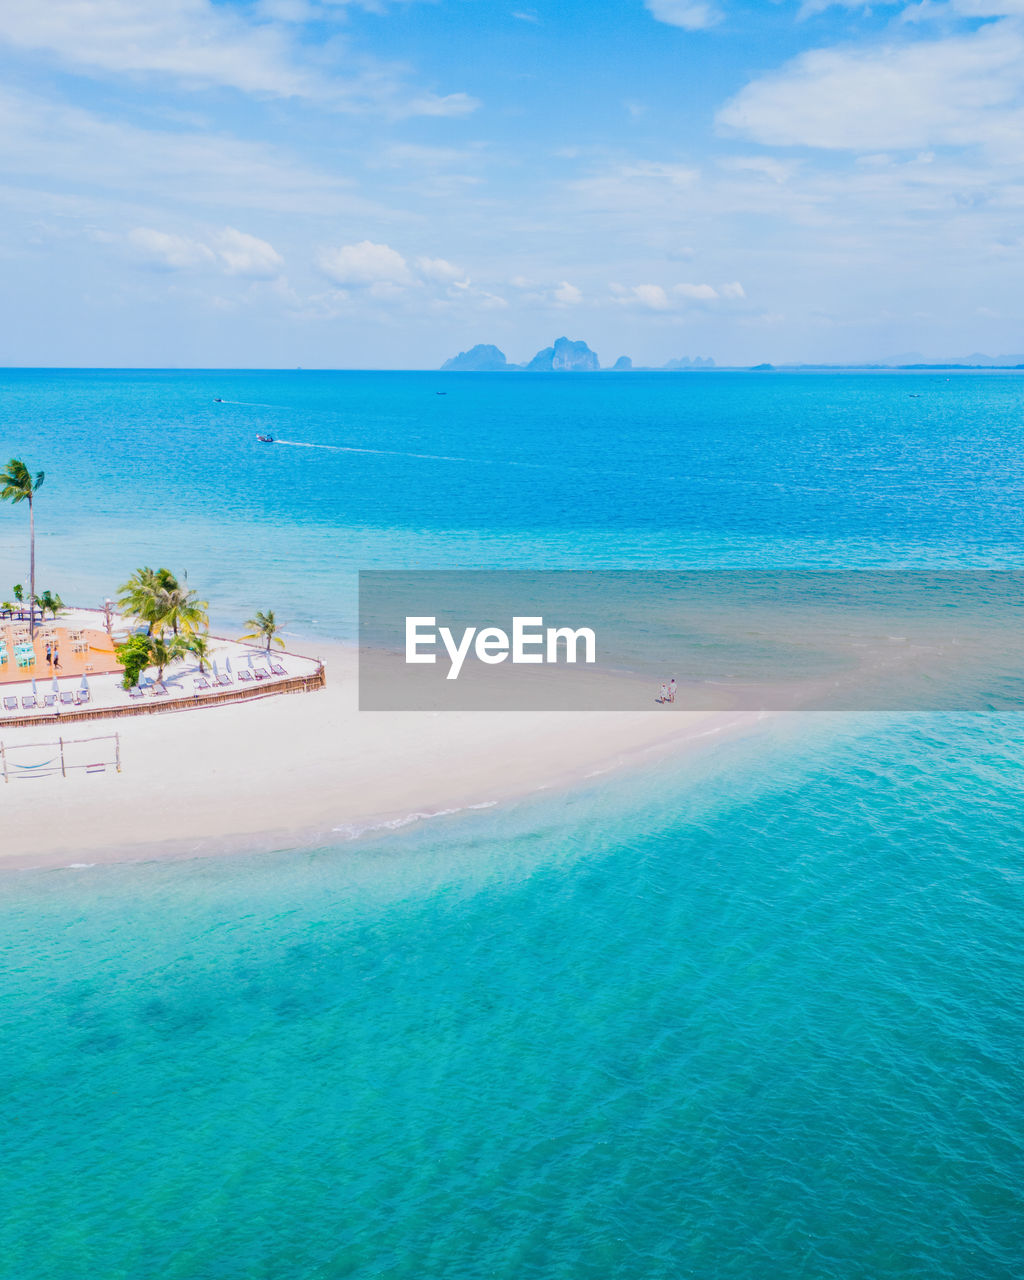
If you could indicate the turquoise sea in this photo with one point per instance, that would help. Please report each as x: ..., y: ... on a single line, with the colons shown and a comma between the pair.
x: 752, y: 1014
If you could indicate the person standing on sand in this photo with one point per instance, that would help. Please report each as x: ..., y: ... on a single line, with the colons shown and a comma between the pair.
x: 672, y: 689
x: 56, y: 661
x: 662, y: 694
x: 49, y: 654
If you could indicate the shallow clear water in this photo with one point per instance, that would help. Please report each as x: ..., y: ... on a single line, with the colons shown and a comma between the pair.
x: 760, y: 1019
x: 752, y: 1013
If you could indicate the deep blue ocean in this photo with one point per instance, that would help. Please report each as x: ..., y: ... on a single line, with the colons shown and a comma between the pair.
x: 754, y: 1013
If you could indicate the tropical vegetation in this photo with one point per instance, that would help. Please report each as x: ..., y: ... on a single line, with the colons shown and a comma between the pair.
x: 134, y: 656
x: 49, y: 602
x: 199, y: 646
x: 165, y: 649
x: 17, y: 484
x: 157, y: 598
x: 264, y: 628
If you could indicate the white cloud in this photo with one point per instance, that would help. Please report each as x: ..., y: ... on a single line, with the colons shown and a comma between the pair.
x: 651, y: 297
x: 161, y: 166
x: 231, y: 251
x: 438, y: 269
x: 366, y: 263
x: 245, y: 255
x: 691, y: 15
x: 654, y: 297
x: 961, y: 90
x: 195, y: 40
x: 199, y: 44
x: 696, y: 292
x: 169, y: 252
x: 430, y: 104
x: 568, y: 294
x: 381, y: 273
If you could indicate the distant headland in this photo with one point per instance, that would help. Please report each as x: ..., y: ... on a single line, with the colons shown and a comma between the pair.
x: 563, y: 356
x: 568, y: 356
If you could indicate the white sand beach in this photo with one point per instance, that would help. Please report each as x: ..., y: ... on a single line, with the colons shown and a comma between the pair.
x: 297, y: 768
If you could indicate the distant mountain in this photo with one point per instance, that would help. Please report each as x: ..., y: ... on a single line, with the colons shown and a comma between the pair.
x: 685, y: 362
x: 483, y: 358
x: 976, y: 360
x: 622, y: 365
x: 564, y: 357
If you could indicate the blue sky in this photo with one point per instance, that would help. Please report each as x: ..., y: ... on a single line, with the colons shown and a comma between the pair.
x: 381, y: 183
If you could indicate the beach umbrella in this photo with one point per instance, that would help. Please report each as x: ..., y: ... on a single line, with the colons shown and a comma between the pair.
x: 56, y: 686
x: 227, y: 665
x: 213, y: 664
x: 33, y: 686
x: 85, y: 685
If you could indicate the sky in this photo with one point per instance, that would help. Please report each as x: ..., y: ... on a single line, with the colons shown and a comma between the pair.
x: 383, y: 183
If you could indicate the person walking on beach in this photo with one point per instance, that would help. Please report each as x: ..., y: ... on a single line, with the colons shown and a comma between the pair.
x: 662, y: 694
x: 672, y: 689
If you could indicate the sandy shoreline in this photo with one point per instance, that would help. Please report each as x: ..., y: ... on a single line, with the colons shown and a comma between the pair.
x: 302, y: 768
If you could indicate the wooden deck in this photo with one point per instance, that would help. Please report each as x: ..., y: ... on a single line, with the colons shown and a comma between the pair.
x: 83, y: 651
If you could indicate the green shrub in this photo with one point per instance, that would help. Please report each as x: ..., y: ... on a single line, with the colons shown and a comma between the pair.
x: 135, y: 656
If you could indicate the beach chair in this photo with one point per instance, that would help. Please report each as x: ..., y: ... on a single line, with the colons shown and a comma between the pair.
x: 245, y: 676
x: 10, y: 704
x: 261, y: 673
x: 135, y: 692
x: 200, y: 683
x: 223, y: 678
x: 277, y: 669
x: 28, y: 702
x: 49, y: 699
x: 67, y: 698
x: 158, y: 691
x: 81, y: 698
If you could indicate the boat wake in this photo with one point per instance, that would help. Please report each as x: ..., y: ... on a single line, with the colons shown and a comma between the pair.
x: 400, y: 453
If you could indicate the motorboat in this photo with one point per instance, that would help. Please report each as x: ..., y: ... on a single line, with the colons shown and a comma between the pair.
x: 265, y: 439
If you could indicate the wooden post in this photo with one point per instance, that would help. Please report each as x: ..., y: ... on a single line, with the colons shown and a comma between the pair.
x: 63, y: 771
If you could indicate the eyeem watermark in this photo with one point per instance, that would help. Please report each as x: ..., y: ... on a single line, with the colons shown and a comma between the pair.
x: 700, y: 640
x: 530, y: 643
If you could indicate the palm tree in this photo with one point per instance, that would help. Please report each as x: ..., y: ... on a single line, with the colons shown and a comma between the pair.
x: 50, y: 603
x: 138, y: 596
x: 17, y: 485
x: 198, y: 644
x: 264, y: 627
x: 157, y: 598
x: 181, y: 610
x: 163, y: 652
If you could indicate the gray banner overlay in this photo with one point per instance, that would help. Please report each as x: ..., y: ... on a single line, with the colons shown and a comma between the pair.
x: 729, y: 640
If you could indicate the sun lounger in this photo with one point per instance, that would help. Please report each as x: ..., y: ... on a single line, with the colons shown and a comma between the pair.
x: 261, y: 673
x: 245, y: 676
x: 10, y: 704
x: 223, y: 678
x: 277, y: 669
x: 201, y: 683
x: 28, y: 702
x: 81, y: 698
x: 135, y: 692
x: 158, y: 691
x: 49, y: 699
x: 67, y: 698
